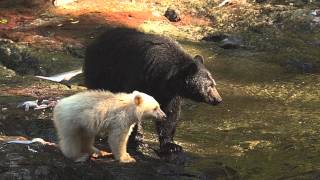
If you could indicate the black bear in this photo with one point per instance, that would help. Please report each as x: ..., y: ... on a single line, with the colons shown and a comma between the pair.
x: 124, y: 60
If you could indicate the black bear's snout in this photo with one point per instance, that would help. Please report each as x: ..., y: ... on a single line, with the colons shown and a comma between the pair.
x: 217, y: 101
x: 215, y: 96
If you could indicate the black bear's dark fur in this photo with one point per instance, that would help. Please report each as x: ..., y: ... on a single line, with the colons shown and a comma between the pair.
x: 124, y: 60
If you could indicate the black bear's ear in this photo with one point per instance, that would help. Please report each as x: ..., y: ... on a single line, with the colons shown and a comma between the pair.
x: 182, y: 71
x: 189, y: 69
x: 199, y: 58
x: 138, y: 100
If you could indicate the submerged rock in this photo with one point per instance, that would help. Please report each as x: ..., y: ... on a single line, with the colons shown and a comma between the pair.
x: 315, y: 43
x: 294, y: 65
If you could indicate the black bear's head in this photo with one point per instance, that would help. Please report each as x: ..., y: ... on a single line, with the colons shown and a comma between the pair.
x: 198, y: 84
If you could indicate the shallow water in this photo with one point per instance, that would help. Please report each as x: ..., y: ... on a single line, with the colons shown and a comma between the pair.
x: 268, y: 125
x: 266, y: 128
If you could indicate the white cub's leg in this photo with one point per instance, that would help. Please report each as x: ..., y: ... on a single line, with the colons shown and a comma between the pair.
x: 87, y: 141
x: 113, y: 140
x: 70, y: 145
x: 126, y: 143
x: 118, y: 143
x: 126, y: 158
x: 88, y: 147
x: 75, y: 144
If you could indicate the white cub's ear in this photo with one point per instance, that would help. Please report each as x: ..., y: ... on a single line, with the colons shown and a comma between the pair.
x: 135, y: 92
x: 138, y: 100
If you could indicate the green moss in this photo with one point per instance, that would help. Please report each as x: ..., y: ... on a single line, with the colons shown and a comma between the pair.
x: 54, y: 62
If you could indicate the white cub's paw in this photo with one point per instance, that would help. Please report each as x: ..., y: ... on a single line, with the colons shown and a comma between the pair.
x: 82, y: 158
x: 127, y: 159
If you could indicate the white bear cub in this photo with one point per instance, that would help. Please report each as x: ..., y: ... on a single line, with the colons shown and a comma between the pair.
x: 79, y: 118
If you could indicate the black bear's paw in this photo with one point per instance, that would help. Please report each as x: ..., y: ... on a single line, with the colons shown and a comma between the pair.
x: 170, y: 148
x: 173, y: 153
x: 138, y: 145
x: 141, y: 145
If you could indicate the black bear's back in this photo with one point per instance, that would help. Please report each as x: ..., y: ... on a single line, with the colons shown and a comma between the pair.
x: 123, y: 60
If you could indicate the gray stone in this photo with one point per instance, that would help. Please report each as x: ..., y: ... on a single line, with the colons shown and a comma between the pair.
x: 172, y: 15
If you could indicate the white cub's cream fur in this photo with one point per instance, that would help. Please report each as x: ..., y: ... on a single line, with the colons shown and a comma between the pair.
x: 79, y: 118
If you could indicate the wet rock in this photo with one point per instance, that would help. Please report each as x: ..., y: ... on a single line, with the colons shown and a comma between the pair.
x: 172, y: 15
x: 295, y: 65
x: 215, y: 37
x: 17, y: 58
x: 225, y: 41
x: 231, y: 43
x: 76, y: 50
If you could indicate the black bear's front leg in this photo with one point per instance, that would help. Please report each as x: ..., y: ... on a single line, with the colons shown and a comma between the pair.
x: 136, y: 137
x: 166, y: 130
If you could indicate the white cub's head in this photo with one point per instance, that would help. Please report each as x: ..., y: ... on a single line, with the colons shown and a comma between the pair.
x: 148, y: 106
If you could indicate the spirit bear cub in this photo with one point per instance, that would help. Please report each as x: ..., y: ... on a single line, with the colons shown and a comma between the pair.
x: 79, y: 118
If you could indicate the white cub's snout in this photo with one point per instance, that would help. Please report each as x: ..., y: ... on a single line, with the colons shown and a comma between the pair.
x: 161, y: 115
